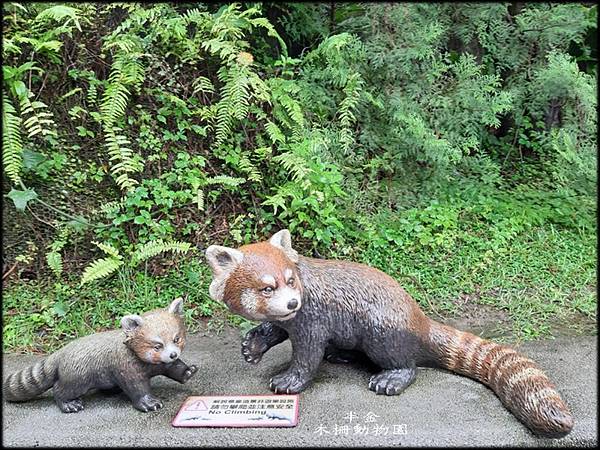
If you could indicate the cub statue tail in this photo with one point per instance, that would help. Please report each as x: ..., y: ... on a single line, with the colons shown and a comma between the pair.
x: 519, y: 382
x: 31, y: 381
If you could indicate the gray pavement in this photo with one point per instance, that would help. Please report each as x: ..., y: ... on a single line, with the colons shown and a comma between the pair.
x: 439, y: 409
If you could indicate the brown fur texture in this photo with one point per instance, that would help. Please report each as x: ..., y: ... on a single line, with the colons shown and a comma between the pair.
x: 349, y: 308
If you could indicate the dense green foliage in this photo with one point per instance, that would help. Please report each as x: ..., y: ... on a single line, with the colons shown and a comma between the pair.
x: 452, y: 143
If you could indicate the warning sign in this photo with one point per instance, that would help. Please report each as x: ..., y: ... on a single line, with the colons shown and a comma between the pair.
x: 196, y: 405
x: 238, y: 411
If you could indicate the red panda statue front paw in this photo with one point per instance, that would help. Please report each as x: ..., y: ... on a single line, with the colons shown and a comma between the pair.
x: 253, y: 347
x: 189, y: 373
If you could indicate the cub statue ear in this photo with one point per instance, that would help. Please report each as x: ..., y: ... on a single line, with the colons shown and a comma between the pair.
x: 131, y: 323
x: 223, y: 260
x: 283, y: 240
x: 176, y: 306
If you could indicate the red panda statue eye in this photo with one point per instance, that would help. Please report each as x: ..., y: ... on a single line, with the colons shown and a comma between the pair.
x: 267, y: 291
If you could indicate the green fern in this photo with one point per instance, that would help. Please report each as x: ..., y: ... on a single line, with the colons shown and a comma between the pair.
x: 246, y: 166
x: 202, y: 84
x: 12, y: 146
x: 278, y: 200
x: 60, y: 12
x: 225, y: 180
x: 53, y: 257
x: 235, y: 100
x: 39, y: 121
x: 126, y: 71
x: 35, y: 119
x: 101, y: 268
x: 293, y: 109
x: 352, y: 90
x: 111, y: 208
x: 274, y: 133
x: 263, y: 22
x: 54, y: 260
x: 153, y: 248
x: 109, y: 249
x: 287, y: 109
x: 194, y: 15
x: 92, y: 93
x: 114, y: 103
x: 294, y: 164
x: 117, y: 150
x: 200, y: 199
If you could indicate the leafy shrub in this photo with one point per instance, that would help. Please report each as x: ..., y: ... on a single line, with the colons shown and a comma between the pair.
x: 397, y: 126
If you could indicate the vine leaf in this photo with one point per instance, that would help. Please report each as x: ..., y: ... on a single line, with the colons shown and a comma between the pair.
x: 21, y: 198
x: 32, y: 159
x: 80, y: 224
x: 60, y: 309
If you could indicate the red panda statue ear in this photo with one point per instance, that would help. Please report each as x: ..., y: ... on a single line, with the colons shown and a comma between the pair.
x: 176, y: 306
x: 131, y: 323
x: 223, y: 260
x: 283, y: 240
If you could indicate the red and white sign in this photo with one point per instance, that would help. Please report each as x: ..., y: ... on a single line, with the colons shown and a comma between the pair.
x: 238, y: 411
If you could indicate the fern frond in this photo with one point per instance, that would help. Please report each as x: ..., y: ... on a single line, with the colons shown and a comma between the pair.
x: 353, y: 91
x: 295, y: 164
x: 39, y: 121
x: 60, y: 12
x: 110, y: 207
x: 114, y: 103
x: 234, y: 103
x: 246, y: 166
x: 127, y: 72
x: 12, y: 146
x: 278, y: 200
x: 118, y: 151
x: 54, y: 260
x: 200, y: 199
x: 202, y: 84
x: 100, y: 268
x: 274, y: 133
x: 264, y: 22
x: 108, y: 249
x: 92, y: 94
x: 260, y: 90
x: 225, y: 180
x: 226, y: 50
x: 194, y: 15
x: 292, y: 107
x: 153, y: 248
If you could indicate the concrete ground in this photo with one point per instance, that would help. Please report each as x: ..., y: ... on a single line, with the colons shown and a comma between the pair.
x: 439, y: 409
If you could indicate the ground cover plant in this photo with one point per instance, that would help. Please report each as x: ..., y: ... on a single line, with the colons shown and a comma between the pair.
x: 451, y: 145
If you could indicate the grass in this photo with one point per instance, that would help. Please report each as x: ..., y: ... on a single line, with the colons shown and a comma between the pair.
x: 543, y: 277
x: 42, y: 316
x: 453, y: 256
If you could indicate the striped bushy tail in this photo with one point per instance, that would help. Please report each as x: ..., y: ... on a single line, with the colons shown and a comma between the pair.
x: 30, y: 382
x: 519, y: 382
